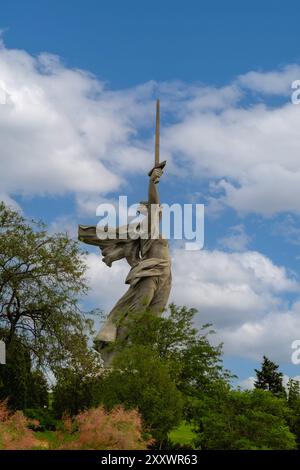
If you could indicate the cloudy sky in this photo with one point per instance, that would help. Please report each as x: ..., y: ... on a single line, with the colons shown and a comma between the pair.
x: 78, y: 83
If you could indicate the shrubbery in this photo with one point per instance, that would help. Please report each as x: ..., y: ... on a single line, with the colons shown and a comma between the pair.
x: 14, y: 430
x: 142, y: 380
x: 97, y: 429
x: 94, y: 429
x: 243, y: 420
x: 44, y: 417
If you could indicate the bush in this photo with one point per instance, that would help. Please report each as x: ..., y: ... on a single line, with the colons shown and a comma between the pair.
x: 74, y: 392
x: 14, y: 431
x: 43, y: 416
x: 97, y: 429
x: 141, y: 380
x: 250, y: 420
x: 22, y: 386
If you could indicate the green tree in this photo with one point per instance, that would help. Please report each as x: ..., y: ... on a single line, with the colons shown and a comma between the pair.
x: 141, y: 379
x: 72, y: 393
x: 294, y: 405
x: 77, y: 380
x: 243, y: 420
x: 167, y: 363
x: 268, y: 378
x: 41, y: 279
x: 38, y: 389
x: 15, y: 375
x: 192, y: 361
x: 19, y: 382
x: 293, y: 387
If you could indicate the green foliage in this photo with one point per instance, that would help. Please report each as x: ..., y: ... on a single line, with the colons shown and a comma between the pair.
x: 268, y: 378
x: 43, y: 416
x: 73, y: 393
x: 141, y: 379
x: 294, y: 405
x: 233, y: 420
x: 166, y: 361
x: 192, y: 361
x: 22, y: 386
x: 168, y: 370
x: 14, y: 430
x: 293, y: 392
x: 78, y: 381
x: 15, y: 375
x: 183, y: 435
x: 38, y: 390
x: 95, y: 429
x: 41, y: 279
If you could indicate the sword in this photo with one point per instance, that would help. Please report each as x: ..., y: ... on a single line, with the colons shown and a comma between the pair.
x: 157, y: 163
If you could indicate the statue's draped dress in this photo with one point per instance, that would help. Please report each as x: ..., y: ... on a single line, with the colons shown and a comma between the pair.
x: 149, y: 278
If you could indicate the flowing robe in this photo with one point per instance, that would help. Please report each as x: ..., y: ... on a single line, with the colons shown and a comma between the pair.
x: 149, y: 278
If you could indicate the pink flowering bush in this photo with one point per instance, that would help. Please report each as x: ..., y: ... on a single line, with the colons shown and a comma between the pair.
x: 94, y: 429
x: 14, y: 431
x: 98, y: 429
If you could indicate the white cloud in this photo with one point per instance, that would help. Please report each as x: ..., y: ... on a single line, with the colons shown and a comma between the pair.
x: 229, y: 288
x: 62, y: 131
x: 236, y: 240
x: 106, y: 284
x: 247, y: 384
x: 288, y: 228
x: 273, y: 83
x: 271, y: 335
x: 64, y: 224
x: 247, y: 152
x: 240, y: 293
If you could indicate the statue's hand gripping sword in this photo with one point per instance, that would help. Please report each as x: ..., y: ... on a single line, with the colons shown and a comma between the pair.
x: 157, y: 163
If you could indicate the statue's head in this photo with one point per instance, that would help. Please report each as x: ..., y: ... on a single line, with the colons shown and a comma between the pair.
x: 142, y: 208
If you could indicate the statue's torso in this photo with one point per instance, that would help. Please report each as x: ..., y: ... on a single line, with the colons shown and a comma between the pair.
x: 155, y: 248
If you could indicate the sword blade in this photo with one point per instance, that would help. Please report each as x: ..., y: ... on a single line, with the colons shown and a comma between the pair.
x: 156, y: 160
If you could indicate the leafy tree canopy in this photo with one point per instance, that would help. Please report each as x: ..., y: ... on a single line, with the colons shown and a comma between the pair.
x: 253, y: 420
x: 41, y: 280
x: 268, y: 378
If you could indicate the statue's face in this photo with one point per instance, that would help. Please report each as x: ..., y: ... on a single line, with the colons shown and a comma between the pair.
x: 142, y: 209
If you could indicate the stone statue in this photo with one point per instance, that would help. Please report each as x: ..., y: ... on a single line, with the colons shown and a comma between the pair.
x: 150, y: 274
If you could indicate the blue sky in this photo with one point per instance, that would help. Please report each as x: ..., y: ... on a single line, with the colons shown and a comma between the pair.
x: 128, y: 43
x: 223, y: 71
